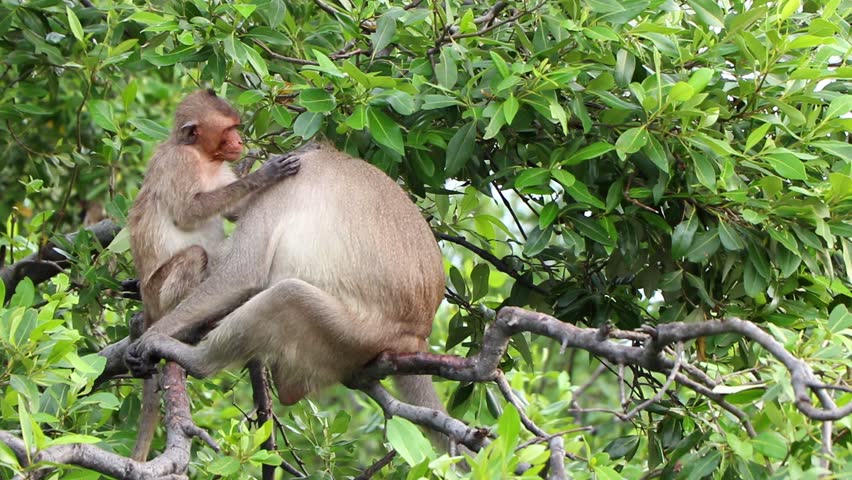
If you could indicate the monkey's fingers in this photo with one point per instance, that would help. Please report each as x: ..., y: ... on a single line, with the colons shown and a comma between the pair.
x: 139, y: 361
x: 288, y: 162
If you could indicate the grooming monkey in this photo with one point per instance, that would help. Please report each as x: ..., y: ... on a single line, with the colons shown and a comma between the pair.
x: 346, y: 268
x: 175, y: 223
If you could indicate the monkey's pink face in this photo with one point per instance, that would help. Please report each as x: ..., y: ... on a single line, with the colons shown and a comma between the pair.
x: 230, y: 147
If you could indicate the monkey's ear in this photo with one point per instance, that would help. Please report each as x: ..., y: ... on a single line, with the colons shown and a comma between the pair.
x: 188, y: 133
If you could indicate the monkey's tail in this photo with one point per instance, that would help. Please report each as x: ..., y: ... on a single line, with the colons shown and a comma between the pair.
x: 419, y: 390
x: 149, y: 418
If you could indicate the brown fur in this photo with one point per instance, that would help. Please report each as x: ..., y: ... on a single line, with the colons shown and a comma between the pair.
x: 346, y: 266
x: 175, y: 223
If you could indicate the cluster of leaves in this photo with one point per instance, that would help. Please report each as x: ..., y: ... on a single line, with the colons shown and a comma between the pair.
x: 643, y: 161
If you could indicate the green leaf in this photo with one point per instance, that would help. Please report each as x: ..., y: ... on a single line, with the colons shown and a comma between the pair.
x: 509, y: 428
x: 7, y: 456
x: 224, y: 466
x: 588, y: 152
x: 701, y: 467
x: 154, y: 130
x: 631, y: 141
x: 317, y: 100
x: 548, y: 215
x: 401, y: 102
x: 432, y: 102
x: 408, y: 441
x: 256, y: 61
x: 757, y: 135
x: 656, y: 153
x: 244, y: 9
x: 446, y: 70
x: 261, y: 434
x: 787, y: 165
x: 537, y: 241
x: 325, y: 65
x: 510, y: 108
x: 704, y: 171
x: 771, y: 444
x: 499, y: 63
x: 622, y: 447
x: 102, y: 115
x: 358, y: 119
x: 683, y: 235
x: 564, y: 177
x: 841, y: 105
x: 709, y: 13
x: 496, y: 123
x: 479, y: 278
x: 460, y: 148
x: 790, y: 7
x: 603, y: 472
x: 700, y: 78
x: 581, y: 194
x: 307, y: 124
x: 282, y: 116
x: 149, y: 18
x: 74, y: 24
x: 385, y: 130
x: 729, y: 237
x: 593, y: 230
x: 681, y: 92
x: 457, y: 280
x: 839, y: 320
x: 250, y: 97
x: 532, y: 177
x: 385, y: 30
x: 703, y: 246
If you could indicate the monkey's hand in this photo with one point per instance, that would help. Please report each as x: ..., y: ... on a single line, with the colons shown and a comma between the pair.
x: 280, y: 167
x: 142, y: 355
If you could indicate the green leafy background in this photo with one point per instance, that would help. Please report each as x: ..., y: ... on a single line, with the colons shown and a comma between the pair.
x: 635, y: 162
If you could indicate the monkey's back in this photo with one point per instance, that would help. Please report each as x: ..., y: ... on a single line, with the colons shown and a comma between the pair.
x: 344, y: 226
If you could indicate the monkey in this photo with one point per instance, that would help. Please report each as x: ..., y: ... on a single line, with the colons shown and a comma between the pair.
x: 175, y: 223
x: 337, y: 265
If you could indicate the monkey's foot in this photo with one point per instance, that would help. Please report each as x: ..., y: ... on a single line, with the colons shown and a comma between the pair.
x: 140, y: 357
x: 152, y: 346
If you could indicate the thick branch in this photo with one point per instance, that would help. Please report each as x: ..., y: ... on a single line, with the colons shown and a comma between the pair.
x: 482, y: 366
x: 50, y: 260
x: 433, y: 419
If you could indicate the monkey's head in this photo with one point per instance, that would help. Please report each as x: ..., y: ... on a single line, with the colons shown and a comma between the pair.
x: 209, y: 124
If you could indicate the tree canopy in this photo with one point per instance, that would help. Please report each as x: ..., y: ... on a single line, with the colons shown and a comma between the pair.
x: 668, y: 184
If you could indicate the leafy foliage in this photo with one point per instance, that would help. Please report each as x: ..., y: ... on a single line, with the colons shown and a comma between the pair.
x: 631, y: 162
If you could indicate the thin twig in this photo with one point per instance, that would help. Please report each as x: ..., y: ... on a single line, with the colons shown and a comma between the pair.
x: 374, y: 468
x: 492, y: 259
x: 660, y: 392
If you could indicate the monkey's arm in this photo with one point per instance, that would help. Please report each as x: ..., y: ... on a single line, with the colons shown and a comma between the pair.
x: 204, y: 205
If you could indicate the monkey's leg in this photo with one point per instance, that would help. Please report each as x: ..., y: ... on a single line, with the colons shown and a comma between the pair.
x: 307, y: 335
x: 164, y: 289
x: 173, y: 281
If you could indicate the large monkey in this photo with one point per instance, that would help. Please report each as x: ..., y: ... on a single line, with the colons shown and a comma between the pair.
x: 175, y: 223
x: 346, y: 268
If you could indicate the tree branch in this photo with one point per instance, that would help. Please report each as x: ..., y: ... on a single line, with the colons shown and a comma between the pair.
x: 171, y: 464
x: 493, y: 260
x: 50, y: 260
